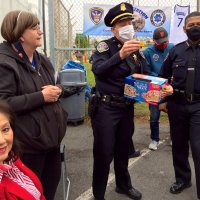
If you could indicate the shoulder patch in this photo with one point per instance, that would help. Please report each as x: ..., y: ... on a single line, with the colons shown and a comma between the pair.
x: 142, y: 54
x: 102, y: 46
x: 181, y: 43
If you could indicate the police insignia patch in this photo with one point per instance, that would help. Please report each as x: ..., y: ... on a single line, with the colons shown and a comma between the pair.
x: 158, y: 17
x: 102, y: 46
x: 156, y: 57
x: 96, y: 15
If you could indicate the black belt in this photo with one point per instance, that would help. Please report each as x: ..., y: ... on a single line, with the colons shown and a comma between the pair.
x: 115, y: 99
x: 193, y: 97
x: 189, y: 98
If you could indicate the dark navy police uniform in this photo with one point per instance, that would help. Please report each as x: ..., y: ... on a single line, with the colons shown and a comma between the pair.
x: 182, y: 66
x: 112, y: 122
x: 112, y: 114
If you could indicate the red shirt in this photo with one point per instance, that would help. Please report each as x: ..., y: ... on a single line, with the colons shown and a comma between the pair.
x: 12, y: 190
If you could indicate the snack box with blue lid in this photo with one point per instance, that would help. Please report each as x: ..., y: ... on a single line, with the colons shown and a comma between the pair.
x: 144, y: 88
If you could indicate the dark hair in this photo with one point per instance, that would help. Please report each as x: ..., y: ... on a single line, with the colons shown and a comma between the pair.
x: 15, y: 23
x: 9, y: 113
x: 192, y: 14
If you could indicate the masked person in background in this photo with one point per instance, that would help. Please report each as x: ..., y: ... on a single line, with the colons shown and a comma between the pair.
x: 183, y: 64
x: 112, y: 114
x: 155, y: 55
x: 27, y: 83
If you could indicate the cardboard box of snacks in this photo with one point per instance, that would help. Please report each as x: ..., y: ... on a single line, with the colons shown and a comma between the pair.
x: 144, y: 88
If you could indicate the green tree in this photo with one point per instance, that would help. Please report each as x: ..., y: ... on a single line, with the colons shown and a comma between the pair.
x: 94, y: 43
x: 81, y: 41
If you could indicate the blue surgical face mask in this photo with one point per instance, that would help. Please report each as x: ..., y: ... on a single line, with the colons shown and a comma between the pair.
x: 126, y: 33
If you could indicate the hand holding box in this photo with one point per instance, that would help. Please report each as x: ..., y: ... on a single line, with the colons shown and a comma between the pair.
x: 145, y: 88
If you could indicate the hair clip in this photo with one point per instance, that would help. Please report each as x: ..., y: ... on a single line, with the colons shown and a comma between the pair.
x: 19, y: 15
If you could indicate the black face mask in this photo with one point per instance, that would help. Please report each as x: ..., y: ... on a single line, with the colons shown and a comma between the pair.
x: 193, y: 33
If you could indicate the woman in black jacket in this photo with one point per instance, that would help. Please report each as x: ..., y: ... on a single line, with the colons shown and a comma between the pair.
x: 27, y: 83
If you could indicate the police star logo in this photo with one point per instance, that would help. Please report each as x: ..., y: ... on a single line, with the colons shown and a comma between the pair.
x: 96, y: 14
x: 158, y: 17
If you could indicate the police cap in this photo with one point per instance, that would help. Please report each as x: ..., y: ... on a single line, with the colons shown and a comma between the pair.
x: 119, y: 12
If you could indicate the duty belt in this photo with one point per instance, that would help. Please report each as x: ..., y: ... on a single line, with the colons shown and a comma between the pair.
x: 189, y: 98
x: 115, y: 99
x: 193, y: 97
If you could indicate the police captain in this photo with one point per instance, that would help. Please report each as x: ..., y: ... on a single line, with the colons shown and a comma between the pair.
x: 182, y: 66
x: 112, y: 119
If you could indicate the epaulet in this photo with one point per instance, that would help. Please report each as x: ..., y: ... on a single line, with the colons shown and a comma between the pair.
x: 103, y: 46
x: 181, y: 43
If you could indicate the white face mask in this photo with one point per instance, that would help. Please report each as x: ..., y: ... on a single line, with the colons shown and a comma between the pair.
x: 126, y: 33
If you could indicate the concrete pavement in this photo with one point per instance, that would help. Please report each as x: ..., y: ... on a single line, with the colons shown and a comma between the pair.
x: 152, y: 173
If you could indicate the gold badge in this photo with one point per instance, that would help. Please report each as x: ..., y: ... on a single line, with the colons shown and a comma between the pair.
x: 135, y: 57
x: 123, y: 7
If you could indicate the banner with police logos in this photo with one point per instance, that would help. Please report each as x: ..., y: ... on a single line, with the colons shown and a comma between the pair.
x: 94, y: 20
x: 146, y: 19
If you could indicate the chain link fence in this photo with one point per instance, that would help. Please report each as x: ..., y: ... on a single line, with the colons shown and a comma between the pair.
x: 62, y: 32
x: 65, y: 23
x: 68, y: 24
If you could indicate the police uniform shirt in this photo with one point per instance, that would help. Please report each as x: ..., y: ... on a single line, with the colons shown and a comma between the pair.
x: 155, y: 57
x: 110, y: 70
x: 176, y: 65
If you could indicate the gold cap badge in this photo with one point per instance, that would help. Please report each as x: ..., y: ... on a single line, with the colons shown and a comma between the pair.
x: 123, y: 7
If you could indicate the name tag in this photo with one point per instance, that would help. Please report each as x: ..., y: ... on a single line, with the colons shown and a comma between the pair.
x: 190, y: 69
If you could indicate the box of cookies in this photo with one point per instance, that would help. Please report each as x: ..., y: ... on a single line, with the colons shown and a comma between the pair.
x: 144, y: 88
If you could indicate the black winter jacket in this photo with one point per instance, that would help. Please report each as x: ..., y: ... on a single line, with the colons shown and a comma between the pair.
x: 40, y: 126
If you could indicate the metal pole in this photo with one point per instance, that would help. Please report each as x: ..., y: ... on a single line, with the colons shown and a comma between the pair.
x: 51, y: 32
x: 198, y: 5
x: 44, y: 27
